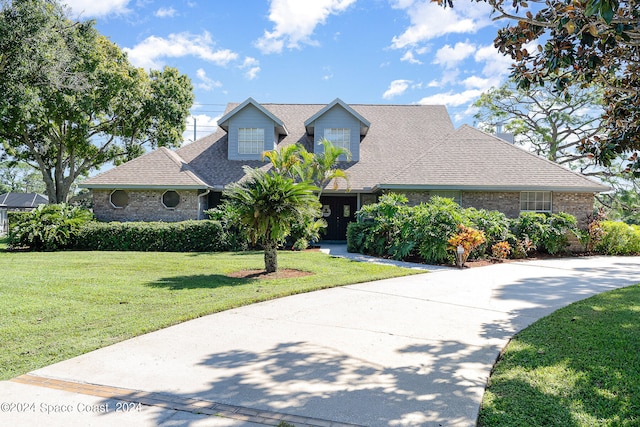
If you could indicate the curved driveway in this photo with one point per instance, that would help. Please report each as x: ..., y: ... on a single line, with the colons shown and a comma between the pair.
x: 412, y: 351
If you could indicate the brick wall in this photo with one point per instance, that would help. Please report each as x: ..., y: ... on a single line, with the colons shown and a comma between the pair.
x: 579, y: 205
x: 506, y: 202
x: 145, y: 205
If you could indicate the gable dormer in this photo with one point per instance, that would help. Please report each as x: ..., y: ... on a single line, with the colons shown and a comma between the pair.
x: 251, y: 130
x: 341, y: 125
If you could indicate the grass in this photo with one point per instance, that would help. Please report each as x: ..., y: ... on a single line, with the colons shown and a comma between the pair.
x: 580, y: 366
x: 58, y: 305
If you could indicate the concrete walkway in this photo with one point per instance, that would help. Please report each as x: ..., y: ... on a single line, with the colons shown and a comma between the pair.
x: 413, y: 351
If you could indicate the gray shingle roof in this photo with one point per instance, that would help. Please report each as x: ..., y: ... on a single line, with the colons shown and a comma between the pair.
x: 161, y: 168
x: 22, y: 200
x: 406, y: 146
x: 472, y: 159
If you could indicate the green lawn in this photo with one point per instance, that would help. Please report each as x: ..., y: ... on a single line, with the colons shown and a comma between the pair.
x: 580, y: 366
x: 57, y: 305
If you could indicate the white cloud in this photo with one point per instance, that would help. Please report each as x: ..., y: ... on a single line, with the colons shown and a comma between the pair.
x: 97, y: 8
x: 204, y: 125
x: 451, y: 99
x: 496, y: 64
x: 149, y: 53
x: 166, y: 12
x: 429, y: 20
x: 396, y: 88
x: 408, y: 57
x: 295, y: 22
x: 475, y: 82
x: 449, y: 56
x: 252, y: 73
x: 206, y: 83
x: 252, y: 65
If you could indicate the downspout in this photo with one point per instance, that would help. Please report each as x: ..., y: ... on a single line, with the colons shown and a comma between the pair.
x: 200, y: 211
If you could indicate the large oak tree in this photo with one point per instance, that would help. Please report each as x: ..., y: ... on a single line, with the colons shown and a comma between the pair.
x: 71, y: 101
x: 580, y: 42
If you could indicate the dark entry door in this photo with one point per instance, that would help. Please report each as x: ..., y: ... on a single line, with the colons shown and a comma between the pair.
x: 338, y: 211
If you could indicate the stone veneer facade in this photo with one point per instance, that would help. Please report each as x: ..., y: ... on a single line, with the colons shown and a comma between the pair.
x: 146, y: 205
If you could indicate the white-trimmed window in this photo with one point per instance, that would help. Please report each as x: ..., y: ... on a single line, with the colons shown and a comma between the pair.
x: 170, y: 199
x: 339, y: 137
x: 535, y: 201
x: 448, y: 194
x: 119, y: 199
x: 250, y: 140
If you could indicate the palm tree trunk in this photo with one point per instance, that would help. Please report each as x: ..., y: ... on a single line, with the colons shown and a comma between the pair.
x: 270, y: 256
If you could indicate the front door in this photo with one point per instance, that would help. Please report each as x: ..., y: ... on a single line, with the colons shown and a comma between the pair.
x: 338, y: 211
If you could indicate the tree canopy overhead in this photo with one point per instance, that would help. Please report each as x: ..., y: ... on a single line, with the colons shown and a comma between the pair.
x: 72, y: 101
x: 580, y: 42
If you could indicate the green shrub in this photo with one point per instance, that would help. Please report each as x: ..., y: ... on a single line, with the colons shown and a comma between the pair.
x: 618, y: 238
x: 16, y: 218
x: 384, y: 231
x: 390, y: 228
x: 433, y: 224
x: 544, y: 232
x: 494, y: 224
x: 48, y: 227
x: 357, y: 234
x: 185, y: 236
x: 530, y: 225
x: 235, y: 234
x: 561, y: 226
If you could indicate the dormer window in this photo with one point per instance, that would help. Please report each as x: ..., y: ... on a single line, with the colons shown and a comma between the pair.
x: 251, y: 130
x: 250, y: 140
x: 339, y: 137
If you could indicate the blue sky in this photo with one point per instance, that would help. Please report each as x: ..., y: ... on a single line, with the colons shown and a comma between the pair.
x: 310, y: 51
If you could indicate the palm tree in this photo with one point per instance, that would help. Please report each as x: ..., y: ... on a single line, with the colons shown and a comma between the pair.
x: 268, y: 205
x: 295, y: 162
x: 324, y: 165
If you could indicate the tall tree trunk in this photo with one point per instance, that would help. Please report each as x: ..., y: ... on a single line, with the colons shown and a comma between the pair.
x: 270, y: 256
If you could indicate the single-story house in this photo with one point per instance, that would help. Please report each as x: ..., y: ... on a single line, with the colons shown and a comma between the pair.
x: 22, y: 201
x: 413, y: 149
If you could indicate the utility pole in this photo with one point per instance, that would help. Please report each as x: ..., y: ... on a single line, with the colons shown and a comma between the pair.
x: 194, y: 129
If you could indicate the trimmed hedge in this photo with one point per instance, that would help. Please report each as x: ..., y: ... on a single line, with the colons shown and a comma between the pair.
x: 185, y: 236
x: 618, y: 238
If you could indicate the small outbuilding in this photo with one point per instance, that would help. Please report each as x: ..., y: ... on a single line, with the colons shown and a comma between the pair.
x: 22, y: 201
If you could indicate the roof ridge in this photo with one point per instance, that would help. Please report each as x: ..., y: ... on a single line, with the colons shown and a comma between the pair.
x: 175, y: 157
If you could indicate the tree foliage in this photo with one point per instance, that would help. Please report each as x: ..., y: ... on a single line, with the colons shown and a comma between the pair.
x: 21, y: 178
x: 320, y: 168
x: 563, y: 43
x: 548, y: 124
x: 269, y: 204
x: 72, y: 101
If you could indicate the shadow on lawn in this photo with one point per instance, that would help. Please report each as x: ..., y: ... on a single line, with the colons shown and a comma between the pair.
x: 202, y: 281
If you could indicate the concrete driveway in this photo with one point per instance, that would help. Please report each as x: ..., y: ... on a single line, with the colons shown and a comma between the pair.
x: 412, y: 351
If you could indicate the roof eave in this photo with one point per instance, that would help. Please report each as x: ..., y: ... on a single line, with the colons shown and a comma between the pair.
x: 144, y: 187
x: 448, y: 187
